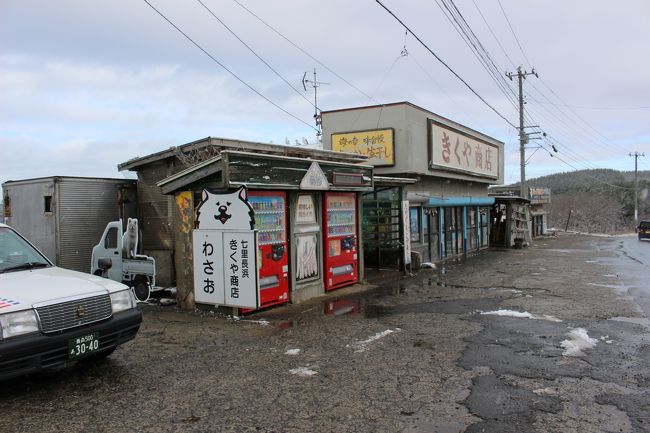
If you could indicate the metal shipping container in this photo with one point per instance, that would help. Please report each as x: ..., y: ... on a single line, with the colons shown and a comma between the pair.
x: 66, y: 216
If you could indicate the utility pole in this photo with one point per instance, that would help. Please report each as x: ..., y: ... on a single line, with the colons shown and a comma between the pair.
x: 523, y: 137
x: 636, y: 186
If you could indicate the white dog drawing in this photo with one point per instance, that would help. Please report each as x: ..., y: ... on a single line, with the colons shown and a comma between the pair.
x: 225, y: 211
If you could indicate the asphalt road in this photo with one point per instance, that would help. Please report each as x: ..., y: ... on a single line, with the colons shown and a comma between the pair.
x: 550, y: 338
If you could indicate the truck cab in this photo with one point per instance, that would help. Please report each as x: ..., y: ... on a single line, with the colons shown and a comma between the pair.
x: 109, y: 261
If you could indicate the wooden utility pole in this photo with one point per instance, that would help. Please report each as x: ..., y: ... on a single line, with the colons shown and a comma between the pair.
x: 523, y: 137
x: 636, y: 186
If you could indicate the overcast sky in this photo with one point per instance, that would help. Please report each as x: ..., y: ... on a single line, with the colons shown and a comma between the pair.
x: 86, y: 85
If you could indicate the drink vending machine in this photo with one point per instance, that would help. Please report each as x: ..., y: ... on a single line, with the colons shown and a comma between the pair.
x: 271, y: 223
x: 340, y: 235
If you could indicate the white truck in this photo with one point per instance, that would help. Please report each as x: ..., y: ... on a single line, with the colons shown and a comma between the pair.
x: 115, y: 258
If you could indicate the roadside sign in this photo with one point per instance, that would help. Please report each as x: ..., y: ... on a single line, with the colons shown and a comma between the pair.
x: 225, y: 268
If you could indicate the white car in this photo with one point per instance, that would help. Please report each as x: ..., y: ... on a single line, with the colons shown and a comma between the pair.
x: 50, y: 317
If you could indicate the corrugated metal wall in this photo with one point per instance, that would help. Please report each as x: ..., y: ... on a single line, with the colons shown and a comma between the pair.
x: 84, y: 207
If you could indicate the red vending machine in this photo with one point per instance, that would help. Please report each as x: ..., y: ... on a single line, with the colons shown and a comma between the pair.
x: 340, y: 235
x: 271, y: 223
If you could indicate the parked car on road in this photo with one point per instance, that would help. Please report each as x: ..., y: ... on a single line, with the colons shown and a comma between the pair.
x: 643, y: 230
x: 51, y: 317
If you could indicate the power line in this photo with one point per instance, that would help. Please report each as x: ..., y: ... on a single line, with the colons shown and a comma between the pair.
x: 302, y: 50
x: 587, y: 107
x: 513, y: 32
x: 458, y: 22
x: 256, y: 55
x: 444, y: 64
x: 494, y: 35
x: 226, y: 68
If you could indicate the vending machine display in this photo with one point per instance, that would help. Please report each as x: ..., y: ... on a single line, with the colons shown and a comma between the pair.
x: 271, y: 223
x: 340, y: 235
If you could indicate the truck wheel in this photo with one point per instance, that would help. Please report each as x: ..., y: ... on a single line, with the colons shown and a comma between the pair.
x: 141, y: 288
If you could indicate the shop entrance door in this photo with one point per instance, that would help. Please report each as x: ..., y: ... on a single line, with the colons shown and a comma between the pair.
x: 382, y: 228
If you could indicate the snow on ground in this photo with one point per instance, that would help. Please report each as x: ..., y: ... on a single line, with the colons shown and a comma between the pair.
x: 578, y: 341
x: 521, y: 315
x: 303, y: 371
x: 361, y: 346
x: 262, y: 322
x: 292, y: 352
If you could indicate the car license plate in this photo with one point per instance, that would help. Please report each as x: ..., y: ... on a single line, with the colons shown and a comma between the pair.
x: 83, y: 345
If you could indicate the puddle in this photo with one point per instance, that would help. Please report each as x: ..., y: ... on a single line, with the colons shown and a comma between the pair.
x: 456, y: 306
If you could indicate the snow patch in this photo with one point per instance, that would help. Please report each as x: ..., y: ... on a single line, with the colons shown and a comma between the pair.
x: 521, y: 315
x: 292, y: 352
x: 262, y: 322
x: 361, y: 346
x: 509, y: 313
x: 545, y: 391
x: 578, y: 341
x: 303, y: 372
x: 591, y: 261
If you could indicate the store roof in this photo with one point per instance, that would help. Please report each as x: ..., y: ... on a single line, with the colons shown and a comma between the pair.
x: 219, y: 144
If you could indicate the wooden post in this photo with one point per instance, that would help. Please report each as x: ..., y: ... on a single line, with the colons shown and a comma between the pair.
x: 183, y: 226
x: 567, y: 220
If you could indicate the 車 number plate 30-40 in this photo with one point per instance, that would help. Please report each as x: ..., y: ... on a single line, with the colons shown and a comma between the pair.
x: 83, y: 345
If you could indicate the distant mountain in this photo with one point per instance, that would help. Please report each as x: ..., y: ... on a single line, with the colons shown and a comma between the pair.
x: 595, y: 201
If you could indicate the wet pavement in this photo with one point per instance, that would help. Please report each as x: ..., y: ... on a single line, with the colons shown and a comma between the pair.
x: 550, y: 338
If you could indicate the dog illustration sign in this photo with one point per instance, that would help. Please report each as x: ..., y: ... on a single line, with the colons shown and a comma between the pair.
x: 225, y: 251
x: 225, y: 211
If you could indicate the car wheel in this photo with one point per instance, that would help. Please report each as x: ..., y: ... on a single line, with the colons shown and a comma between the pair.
x: 141, y: 289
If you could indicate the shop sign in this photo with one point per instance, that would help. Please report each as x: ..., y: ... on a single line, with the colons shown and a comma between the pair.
x: 540, y: 195
x: 455, y: 150
x: 314, y: 178
x: 406, y: 227
x: 378, y: 145
x: 225, y: 251
x: 305, y: 212
x: 225, y: 267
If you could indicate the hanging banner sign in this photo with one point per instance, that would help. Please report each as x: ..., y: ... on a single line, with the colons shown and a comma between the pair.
x: 452, y: 149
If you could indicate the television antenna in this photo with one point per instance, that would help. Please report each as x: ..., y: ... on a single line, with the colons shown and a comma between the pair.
x: 315, y: 84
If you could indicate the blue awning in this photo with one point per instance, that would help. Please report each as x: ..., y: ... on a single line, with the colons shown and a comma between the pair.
x: 461, y: 201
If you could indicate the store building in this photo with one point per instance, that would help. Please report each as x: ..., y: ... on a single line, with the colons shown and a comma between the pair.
x: 305, y: 205
x: 536, y: 201
x: 451, y: 166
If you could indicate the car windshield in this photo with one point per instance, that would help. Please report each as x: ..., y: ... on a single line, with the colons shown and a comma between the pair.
x: 17, y: 254
x: 644, y: 225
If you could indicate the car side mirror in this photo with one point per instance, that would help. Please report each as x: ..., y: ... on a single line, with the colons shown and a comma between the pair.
x: 104, y: 263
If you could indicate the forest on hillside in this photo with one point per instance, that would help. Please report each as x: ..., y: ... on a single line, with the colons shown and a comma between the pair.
x: 595, y: 201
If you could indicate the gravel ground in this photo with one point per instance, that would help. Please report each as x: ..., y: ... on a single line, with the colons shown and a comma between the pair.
x: 410, y: 355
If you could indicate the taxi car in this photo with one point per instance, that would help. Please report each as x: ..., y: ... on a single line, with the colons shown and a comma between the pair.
x: 52, y: 317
